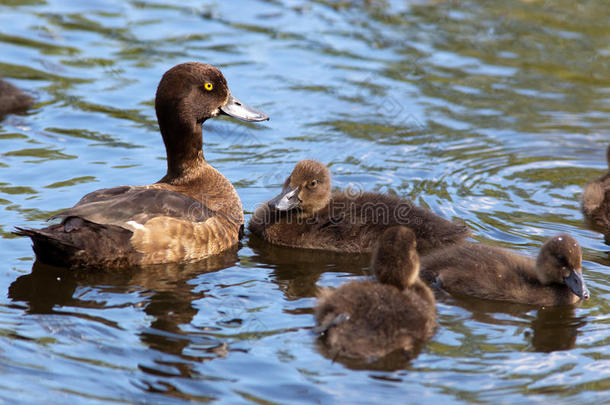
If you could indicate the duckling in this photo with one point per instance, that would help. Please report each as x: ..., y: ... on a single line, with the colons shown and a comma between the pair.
x: 596, y: 200
x: 307, y: 215
x: 367, y: 319
x: 554, y: 278
x: 190, y: 214
x: 13, y: 100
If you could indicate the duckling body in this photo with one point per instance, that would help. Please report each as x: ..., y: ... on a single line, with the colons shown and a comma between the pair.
x: 553, y: 278
x: 366, y: 319
x: 307, y: 216
x: 596, y: 200
x: 191, y: 213
x: 13, y: 100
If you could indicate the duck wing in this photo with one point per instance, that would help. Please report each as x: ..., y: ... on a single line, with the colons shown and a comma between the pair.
x: 126, y: 225
x: 127, y: 206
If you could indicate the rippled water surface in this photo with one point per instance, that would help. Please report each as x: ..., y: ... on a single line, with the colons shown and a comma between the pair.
x: 493, y: 112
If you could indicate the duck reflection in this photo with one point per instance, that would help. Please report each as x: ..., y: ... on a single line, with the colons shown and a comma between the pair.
x: 552, y: 328
x: 555, y: 328
x: 297, y: 271
x: 169, y: 293
x: 396, y: 360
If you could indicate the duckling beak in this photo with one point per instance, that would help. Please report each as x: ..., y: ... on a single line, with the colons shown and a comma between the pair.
x: 287, y: 200
x: 576, y: 284
x: 236, y: 109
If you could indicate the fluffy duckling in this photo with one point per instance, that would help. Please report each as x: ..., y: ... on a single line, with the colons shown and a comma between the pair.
x: 596, y: 200
x: 193, y: 212
x: 307, y: 215
x: 13, y: 100
x: 554, y: 278
x: 367, y: 319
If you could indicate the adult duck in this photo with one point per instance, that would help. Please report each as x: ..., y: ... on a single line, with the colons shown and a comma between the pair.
x: 553, y: 278
x: 191, y: 213
x: 369, y: 319
x: 596, y: 200
x: 307, y: 215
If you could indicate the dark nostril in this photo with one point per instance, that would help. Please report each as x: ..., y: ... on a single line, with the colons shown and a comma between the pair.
x: 238, y: 103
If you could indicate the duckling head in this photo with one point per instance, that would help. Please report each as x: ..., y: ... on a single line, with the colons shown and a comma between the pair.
x: 560, y: 261
x: 395, y: 260
x: 307, y: 189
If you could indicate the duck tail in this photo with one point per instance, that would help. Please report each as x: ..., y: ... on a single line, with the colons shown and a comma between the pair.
x: 77, y: 242
x: 48, y: 247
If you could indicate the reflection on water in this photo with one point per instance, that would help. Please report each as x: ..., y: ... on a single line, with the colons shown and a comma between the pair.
x: 550, y: 328
x: 297, y: 271
x: 495, y: 113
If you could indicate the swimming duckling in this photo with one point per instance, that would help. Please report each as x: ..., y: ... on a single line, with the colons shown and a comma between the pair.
x: 13, y: 100
x: 596, y: 200
x: 190, y: 214
x: 307, y: 215
x: 554, y: 278
x: 367, y: 319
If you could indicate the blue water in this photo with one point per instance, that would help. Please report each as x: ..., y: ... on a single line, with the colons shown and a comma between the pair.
x: 496, y: 113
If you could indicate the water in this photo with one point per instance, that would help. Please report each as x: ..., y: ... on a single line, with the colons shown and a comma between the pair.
x: 493, y: 112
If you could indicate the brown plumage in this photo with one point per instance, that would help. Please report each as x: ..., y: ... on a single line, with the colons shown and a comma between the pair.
x: 596, y: 200
x: 307, y: 215
x: 553, y: 278
x: 13, y: 100
x: 191, y: 213
x: 367, y: 319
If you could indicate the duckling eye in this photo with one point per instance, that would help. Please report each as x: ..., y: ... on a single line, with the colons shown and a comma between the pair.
x: 208, y: 86
x: 313, y: 183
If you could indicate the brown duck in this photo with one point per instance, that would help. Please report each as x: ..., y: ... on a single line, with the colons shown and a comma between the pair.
x: 191, y: 213
x: 13, y: 100
x: 307, y: 215
x: 553, y: 278
x: 596, y: 200
x: 367, y: 319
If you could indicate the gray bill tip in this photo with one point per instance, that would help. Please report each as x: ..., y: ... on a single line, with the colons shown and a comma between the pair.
x: 576, y: 284
x: 286, y: 200
x: 236, y: 109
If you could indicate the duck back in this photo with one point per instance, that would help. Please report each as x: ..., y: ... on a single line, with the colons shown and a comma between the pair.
x: 128, y: 226
x: 491, y: 273
x: 352, y: 224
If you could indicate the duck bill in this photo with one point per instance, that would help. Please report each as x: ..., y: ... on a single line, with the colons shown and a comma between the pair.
x: 576, y: 284
x: 286, y: 201
x: 236, y: 109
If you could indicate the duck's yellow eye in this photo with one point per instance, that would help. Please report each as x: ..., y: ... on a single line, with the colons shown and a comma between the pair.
x: 208, y: 86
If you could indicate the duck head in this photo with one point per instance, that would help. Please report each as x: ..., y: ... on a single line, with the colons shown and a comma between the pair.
x: 395, y: 260
x: 197, y: 91
x: 187, y: 95
x: 307, y: 189
x: 560, y: 261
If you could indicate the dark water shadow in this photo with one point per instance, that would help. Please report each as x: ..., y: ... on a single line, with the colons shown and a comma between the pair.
x: 48, y: 286
x: 552, y: 328
x: 297, y: 271
x: 169, y: 295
